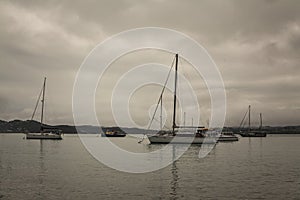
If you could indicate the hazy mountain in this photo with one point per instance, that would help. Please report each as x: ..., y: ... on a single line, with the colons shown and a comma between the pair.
x: 31, y: 126
x: 19, y: 126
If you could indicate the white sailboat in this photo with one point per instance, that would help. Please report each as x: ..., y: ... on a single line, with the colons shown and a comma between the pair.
x: 176, y: 136
x: 45, y: 133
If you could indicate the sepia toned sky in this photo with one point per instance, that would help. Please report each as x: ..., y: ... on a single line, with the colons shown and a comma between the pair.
x: 255, y: 44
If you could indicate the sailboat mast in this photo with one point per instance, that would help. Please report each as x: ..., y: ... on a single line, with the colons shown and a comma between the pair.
x: 184, y: 114
x: 260, y: 116
x: 43, y: 104
x: 175, y: 89
x: 161, y: 110
x: 249, y: 117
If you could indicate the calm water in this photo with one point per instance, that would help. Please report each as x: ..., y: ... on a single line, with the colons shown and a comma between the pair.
x: 253, y: 168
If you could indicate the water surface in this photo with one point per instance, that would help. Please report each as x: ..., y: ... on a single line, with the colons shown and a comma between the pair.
x: 252, y: 168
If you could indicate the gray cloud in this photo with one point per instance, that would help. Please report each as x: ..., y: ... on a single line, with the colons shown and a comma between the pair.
x: 256, y: 45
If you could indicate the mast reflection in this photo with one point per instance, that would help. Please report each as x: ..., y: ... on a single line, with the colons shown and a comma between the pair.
x: 175, y: 177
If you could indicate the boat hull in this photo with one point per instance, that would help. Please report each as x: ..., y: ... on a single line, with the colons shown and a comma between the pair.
x: 227, y: 138
x: 254, y: 134
x: 38, y: 136
x: 109, y: 135
x: 180, y: 140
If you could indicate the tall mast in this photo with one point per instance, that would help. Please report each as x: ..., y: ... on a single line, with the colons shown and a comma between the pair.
x: 175, y: 88
x: 260, y: 116
x: 249, y: 117
x: 161, y: 110
x: 43, y: 103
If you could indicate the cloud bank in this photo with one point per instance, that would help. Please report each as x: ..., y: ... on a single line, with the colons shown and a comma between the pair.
x: 256, y: 45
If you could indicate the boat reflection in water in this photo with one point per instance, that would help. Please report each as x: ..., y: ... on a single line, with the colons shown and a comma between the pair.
x: 175, y: 176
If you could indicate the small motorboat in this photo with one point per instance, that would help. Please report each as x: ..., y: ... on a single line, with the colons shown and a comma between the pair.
x: 227, y: 137
x: 113, y: 133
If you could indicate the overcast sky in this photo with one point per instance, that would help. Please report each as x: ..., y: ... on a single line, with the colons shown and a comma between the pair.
x: 255, y: 44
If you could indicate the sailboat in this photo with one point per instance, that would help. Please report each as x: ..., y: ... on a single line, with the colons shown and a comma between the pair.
x: 184, y: 136
x: 249, y: 132
x: 45, y: 133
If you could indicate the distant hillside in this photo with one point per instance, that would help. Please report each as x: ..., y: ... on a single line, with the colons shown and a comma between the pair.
x: 270, y: 129
x: 31, y: 126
